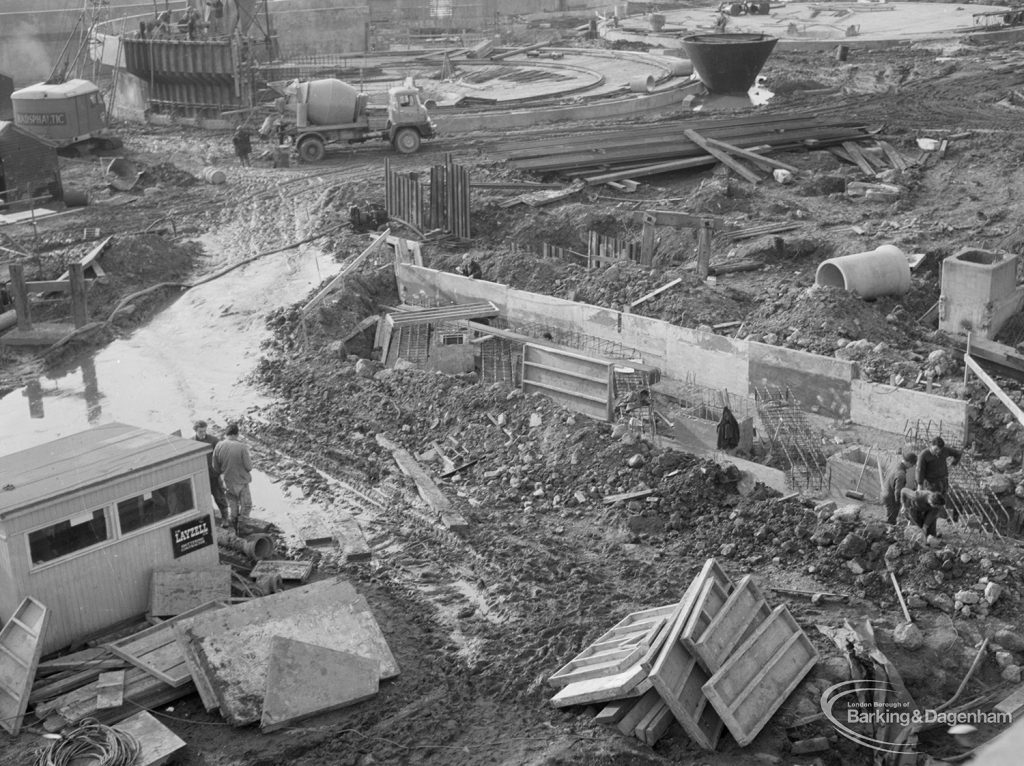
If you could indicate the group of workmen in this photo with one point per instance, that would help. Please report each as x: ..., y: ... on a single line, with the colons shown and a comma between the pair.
x: 926, y: 504
x: 230, y: 468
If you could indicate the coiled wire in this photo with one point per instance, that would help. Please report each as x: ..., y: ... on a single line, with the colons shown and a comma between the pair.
x: 94, y: 743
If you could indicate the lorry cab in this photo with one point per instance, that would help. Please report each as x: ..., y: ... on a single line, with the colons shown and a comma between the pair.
x: 408, y: 120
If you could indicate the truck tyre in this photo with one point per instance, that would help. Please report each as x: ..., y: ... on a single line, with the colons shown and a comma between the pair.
x: 311, y: 149
x: 407, y: 141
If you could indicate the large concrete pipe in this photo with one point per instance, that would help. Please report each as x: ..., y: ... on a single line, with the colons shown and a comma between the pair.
x: 882, y: 271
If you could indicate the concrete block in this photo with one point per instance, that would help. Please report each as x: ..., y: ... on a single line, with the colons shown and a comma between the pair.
x: 978, y: 286
x: 304, y: 680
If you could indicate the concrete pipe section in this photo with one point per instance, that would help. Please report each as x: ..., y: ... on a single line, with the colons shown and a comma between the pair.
x: 882, y: 271
x: 728, y: 63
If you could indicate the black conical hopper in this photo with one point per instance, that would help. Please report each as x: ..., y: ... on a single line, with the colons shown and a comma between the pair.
x: 728, y: 63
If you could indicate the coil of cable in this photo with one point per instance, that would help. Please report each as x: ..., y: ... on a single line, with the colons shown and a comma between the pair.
x: 90, y: 742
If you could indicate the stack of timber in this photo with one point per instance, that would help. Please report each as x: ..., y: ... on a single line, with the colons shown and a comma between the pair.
x: 609, y: 155
x: 719, y: 658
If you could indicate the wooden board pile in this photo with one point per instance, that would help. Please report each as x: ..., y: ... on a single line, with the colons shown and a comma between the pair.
x: 602, y: 155
x: 719, y: 658
x: 273, y: 659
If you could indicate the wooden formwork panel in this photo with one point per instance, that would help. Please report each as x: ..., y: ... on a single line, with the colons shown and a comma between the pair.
x: 615, y: 650
x: 759, y: 676
x: 21, y: 642
x: 712, y: 597
x: 678, y: 676
x: 579, y: 382
x: 742, y: 613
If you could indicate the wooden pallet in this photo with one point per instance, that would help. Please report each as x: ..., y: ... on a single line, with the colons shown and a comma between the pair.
x: 742, y: 613
x: 618, y: 648
x: 759, y: 676
x: 21, y: 642
x: 678, y: 676
x: 156, y: 650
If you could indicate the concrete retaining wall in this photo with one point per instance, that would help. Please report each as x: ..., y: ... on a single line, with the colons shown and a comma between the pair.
x: 821, y: 384
x: 888, y: 408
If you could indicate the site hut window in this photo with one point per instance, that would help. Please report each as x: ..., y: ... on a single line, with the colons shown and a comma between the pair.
x: 155, y: 506
x: 81, y: 531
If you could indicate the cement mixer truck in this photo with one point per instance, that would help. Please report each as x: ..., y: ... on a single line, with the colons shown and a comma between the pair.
x: 316, y: 113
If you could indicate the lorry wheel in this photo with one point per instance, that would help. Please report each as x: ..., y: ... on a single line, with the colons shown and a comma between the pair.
x: 311, y: 149
x: 407, y: 141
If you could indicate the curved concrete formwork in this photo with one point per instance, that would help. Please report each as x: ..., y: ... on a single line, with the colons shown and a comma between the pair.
x: 807, y: 26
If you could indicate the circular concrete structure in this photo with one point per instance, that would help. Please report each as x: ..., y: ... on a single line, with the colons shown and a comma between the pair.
x: 809, y: 24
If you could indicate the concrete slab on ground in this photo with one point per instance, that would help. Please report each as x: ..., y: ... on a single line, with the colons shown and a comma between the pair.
x: 233, y: 646
x: 158, y: 743
x: 304, y: 679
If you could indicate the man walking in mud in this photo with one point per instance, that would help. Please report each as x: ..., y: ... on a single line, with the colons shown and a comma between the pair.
x: 233, y: 462
x: 216, y: 489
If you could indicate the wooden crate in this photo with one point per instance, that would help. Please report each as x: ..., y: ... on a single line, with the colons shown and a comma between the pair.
x: 754, y: 682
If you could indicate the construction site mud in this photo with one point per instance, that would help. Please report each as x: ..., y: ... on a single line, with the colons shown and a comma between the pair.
x: 479, y: 619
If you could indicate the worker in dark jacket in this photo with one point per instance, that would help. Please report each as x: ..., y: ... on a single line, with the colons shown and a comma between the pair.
x: 932, y: 470
x: 243, y: 145
x: 470, y: 268
x: 216, y: 488
x: 923, y: 508
x: 894, y: 483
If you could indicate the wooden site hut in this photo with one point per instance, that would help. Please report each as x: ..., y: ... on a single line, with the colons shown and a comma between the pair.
x: 29, y: 169
x: 85, y: 519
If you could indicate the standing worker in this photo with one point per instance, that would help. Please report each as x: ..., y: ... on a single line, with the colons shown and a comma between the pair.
x: 242, y: 144
x: 894, y: 483
x: 216, y: 489
x: 932, y: 470
x: 231, y: 459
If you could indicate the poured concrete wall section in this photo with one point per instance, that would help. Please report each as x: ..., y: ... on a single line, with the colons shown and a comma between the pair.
x: 979, y: 292
x: 888, y: 408
x: 820, y: 383
x: 131, y: 98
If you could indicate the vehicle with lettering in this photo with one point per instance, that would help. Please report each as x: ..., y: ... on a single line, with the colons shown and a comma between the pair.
x: 68, y: 115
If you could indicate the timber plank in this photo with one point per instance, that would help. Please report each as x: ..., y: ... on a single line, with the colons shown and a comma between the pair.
x: 157, y: 651
x: 732, y: 163
x: 639, y: 712
x: 22, y: 642
x: 1012, y: 705
x: 426, y: 487
x: 623, y: 684
x: 614, y: 711
x: 110, y: 690
x: 743, y: 612
x: 759, y: 676
x: 285, y: 569
x: 678, y: 676
x: 653, y: 726
x: 174, y: 590
x: 858, y: 158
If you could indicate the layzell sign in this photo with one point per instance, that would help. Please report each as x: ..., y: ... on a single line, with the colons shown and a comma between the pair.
x: 191, y: 536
